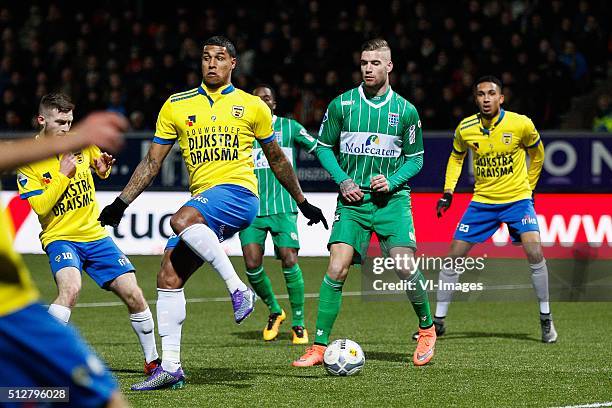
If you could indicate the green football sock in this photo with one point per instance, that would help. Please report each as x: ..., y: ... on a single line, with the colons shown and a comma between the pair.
x: 330, y: 299
x: 261, y: 283
x: 419, y: 299
x: 295, y: 289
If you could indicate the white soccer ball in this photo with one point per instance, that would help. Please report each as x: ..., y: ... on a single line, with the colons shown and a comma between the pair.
x: 343, y: 357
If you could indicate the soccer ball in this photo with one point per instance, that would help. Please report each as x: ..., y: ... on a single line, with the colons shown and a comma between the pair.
x: 343, y: 357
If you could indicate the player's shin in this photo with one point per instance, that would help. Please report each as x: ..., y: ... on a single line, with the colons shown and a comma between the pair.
x: 203, y: 241
x: 448, y: 278
x: 539, y: 278
x: 417, y: 294
x: 144, y: 327
x: 330, y: 299
x: 263, y: 287
x: 171, y: 313
x: 295, y: 289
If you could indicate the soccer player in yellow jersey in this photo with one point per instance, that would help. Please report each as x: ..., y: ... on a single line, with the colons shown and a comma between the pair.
x: 61, y: 191
x: 504, y: 185
x: 215, y: 126
x: 36, y: 349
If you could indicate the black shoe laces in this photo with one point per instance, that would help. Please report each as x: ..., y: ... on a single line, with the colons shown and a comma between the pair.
x: 272, y: 319
x: 299, y: 331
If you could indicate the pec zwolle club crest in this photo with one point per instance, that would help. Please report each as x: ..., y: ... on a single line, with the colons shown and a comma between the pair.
x: 237, y: 111
x: 393, y: 119
x: 507, y: 138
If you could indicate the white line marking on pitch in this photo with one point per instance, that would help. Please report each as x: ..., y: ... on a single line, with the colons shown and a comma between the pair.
x: 593, y: 405
x: 209, y: 299
x: 307, y: 295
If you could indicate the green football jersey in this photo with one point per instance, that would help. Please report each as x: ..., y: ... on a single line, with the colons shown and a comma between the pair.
x: 273, y: 198
x: 371, y: 136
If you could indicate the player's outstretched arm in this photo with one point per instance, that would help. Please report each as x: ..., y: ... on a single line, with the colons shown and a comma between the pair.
x: 104, y: 129
x: 144, y: 174
x: 284, y: 173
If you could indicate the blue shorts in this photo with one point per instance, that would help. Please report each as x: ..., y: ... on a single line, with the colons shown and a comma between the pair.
x: 101, y: 259
x: 480, y: 221
x: 227, y: 209
x: 38, y: 351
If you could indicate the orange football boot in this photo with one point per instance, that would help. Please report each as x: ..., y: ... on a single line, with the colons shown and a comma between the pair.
x: 312, y: 357
x: 425, y: 346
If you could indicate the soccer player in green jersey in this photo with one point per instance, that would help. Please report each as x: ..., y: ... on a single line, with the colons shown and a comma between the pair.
x: 278, y: 216
x: 371, y: 144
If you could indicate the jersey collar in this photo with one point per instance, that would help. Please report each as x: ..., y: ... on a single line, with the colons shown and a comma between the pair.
x: 488, y: 131
x: 203, y: 90
x: 369, y: 101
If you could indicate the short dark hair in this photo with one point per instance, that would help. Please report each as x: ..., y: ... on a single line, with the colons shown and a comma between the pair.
x: 263, y: 85
x: 222, y: 41
x: 55, y: 100
x: 487, y: 78
x: 375, y: 44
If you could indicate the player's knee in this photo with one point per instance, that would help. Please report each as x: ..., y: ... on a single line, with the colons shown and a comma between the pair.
x: 288, y: 259
x: 535, y: 255
x: 406, y: 271
x: 135, y: 300
x: 459, y: 249
x: 337, y: 271
x: 178, y: 222
x: 252, y: 263
x: 70, y: 293
x: 532, y: 248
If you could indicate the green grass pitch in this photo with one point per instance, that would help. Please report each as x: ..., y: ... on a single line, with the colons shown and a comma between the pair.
x: 491, y: 355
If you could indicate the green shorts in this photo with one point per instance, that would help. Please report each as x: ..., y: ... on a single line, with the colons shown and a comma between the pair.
x: 282, y: 227
x: 389, y: 216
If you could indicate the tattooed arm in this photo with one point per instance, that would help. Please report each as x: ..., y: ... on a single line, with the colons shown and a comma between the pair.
x: 143, y: 176
x: 145, y: 172
x: 283, y: 170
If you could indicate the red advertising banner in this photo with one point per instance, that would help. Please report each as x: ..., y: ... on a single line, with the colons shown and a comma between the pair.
x: 571, y: 225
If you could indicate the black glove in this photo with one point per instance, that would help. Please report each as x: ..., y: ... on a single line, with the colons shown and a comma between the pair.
x: 112, y: 213
x: 444, y: 204
x: 314, y: 214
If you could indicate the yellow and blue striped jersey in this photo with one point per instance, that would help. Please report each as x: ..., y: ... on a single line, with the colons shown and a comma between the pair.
x: 499, y: 157
x: 66, y: 207
x: 215, y: 131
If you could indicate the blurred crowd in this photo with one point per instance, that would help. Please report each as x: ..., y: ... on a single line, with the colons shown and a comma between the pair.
x: 129, y: 56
